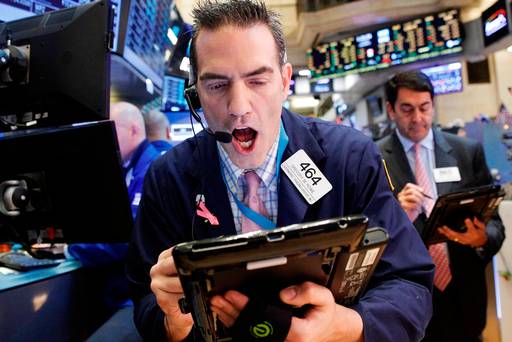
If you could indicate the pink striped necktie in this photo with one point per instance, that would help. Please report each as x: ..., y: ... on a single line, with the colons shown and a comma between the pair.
x: 253, y: 201
x: 438, y: 252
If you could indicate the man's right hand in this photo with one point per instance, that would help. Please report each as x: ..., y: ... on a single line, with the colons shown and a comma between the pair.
x: 166, y: 286
x: 411, y: 199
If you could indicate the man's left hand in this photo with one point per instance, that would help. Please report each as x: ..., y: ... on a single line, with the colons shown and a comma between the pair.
x: 475, y: 235
x: 324, y: 321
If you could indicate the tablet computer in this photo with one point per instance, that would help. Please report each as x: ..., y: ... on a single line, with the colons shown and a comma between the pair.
x: 453, y: 208
x: 264, y: 262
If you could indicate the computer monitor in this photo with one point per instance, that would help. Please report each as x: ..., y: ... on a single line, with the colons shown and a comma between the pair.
x: 496, y: 22
x: 63, y: 185
x: 173, y: 99
x: 146, y: 39
x: 57, y: 69
x: 375, y: 106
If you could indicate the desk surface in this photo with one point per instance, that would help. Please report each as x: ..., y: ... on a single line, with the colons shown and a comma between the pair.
x: 10, y: 281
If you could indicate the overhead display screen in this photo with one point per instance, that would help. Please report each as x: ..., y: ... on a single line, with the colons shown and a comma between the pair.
x: 423, y: 38
x: 446, y: 78
x: 495, y: 22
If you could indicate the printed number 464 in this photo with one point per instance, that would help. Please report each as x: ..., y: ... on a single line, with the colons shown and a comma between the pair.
x: 310, y: 172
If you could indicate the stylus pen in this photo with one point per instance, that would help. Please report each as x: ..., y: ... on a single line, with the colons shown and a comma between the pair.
x: 427, y: 196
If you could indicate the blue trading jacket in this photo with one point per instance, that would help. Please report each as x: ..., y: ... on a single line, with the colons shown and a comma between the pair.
x: 397, y: 304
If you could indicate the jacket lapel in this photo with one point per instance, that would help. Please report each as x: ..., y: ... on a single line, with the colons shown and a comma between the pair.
x: 397, y: 163
x: 444, y: 158
x: 292, y: 207
x: 205, y: 168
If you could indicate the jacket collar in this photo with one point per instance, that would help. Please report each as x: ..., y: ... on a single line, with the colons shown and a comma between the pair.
x: 444, y: 158
x: 292, y: 207
x: 398, y: 162
x: 204, y: 166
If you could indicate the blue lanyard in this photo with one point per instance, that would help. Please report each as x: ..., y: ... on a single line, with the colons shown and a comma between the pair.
x: 257, y: 218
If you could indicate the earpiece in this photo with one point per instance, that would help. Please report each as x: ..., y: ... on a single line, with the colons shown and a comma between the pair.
x: 193, y: 101
x: 192, y: 98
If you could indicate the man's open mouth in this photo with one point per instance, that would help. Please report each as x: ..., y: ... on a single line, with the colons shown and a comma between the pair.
x: 244, y: 138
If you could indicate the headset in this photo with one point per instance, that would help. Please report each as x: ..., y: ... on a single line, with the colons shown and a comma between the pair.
x: 194, y: 104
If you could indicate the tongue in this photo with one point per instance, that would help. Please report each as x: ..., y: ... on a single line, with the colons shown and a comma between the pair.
x: 244, y: 135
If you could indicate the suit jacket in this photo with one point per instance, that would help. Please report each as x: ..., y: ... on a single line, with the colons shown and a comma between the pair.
x: 397, y: 303
x: 466, y: 294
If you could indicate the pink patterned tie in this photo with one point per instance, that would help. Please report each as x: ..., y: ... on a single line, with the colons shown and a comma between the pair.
x: 253, y: 201
x: 438, y: 252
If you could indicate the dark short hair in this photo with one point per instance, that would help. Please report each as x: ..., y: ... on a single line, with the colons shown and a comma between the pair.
x: 413, y: 80
x: 214, y: 14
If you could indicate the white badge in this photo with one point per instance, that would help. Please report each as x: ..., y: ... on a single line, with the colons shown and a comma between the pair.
x: 306, y: 176
x: 136, y: 199
x: 447, y: 174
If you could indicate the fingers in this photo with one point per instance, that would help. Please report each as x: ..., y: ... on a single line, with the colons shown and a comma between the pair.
x: 451, y: 234
x: 411, y: 197
x: 165, y: 264
x: 306, y: 293
x: 474, y: 236
x: 167, y: 289
x: 478, y: 224
x: 229, y: 306
x: 165, y: 283
x: 413, y: 189
x: 165, y: 254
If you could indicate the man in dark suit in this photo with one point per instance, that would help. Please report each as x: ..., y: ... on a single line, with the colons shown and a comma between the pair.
x: 413, y: 151
x: 239, y: 67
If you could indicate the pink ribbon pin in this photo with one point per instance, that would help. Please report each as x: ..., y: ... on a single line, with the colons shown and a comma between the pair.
x: 205, y: 213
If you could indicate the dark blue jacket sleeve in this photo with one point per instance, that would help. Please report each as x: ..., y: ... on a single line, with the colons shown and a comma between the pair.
x: 397, y: 305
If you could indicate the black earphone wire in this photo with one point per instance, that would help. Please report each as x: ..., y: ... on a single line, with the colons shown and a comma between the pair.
x: 202, y: 180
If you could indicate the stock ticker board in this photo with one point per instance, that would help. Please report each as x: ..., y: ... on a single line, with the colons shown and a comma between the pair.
x: 418, y: 39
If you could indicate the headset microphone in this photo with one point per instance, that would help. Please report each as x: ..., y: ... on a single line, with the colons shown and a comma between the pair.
x: 193, y: 102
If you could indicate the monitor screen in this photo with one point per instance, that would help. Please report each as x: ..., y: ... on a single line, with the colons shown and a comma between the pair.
x: 180, y: 127
x: 446, y: 78
x: 323, y: 85
x: 172, y: 94
x: 179, y: 62
x: 58, y: 74
x: 422, y: 38
x: 15, y: 9
x: 375, y: 106
x: 73, y: 184
x: 147, y: 38
x: 495, y: 22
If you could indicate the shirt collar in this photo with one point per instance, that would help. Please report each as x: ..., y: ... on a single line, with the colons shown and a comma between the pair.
x: 265, y: 171
x: 427, y: 142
